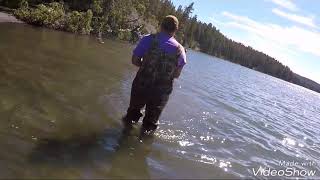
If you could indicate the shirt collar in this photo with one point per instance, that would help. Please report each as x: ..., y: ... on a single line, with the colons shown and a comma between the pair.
x: 165, y: 35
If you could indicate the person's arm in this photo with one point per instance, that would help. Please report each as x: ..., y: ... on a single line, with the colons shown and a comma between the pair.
x: 181, y: 62
x: 140, y: 50
x: 137, y: 61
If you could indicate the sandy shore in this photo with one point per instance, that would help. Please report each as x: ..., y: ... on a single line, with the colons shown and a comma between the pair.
x: 4, y: 17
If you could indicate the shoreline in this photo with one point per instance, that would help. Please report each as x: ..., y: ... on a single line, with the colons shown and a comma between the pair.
x: 8, y: 18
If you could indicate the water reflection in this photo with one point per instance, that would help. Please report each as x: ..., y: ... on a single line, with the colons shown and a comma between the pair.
x: 117, y: 154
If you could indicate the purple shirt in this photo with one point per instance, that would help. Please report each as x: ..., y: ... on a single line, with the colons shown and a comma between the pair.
x: 167, y: 43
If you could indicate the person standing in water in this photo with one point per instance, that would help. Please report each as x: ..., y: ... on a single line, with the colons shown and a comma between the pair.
x: 160, y: 59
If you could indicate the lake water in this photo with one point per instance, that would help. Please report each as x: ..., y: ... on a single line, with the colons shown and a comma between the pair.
x: 62, y: 97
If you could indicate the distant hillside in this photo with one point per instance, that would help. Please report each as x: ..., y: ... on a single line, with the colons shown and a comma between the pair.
x: 305, y: 82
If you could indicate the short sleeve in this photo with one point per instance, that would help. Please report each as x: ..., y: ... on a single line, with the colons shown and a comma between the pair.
x: 182, y: 58
x: 143, y: 46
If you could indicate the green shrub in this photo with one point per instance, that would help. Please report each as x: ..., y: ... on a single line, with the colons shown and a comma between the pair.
x: 50, y: 16
x: 79, y: 22
x: 23, y: 12
x: 141, y: 9
x: 23, y: 4
x: 85, y: 25
x: 97, y: 6
x: 124, y: 35
x: 72, y: 21
x: 53, y: 16
x: 99, y: 25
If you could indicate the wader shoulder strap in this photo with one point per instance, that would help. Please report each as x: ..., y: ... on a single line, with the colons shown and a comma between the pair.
x: 155, y: 41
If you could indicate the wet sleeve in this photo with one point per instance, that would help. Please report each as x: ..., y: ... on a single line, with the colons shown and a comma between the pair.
x: 143, y: 46
x: 182, y: 58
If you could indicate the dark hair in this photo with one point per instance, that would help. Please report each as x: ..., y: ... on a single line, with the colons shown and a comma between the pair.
x: 170, y: 24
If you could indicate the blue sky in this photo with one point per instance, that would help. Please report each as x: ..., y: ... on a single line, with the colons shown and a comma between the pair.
x: 288, y: 30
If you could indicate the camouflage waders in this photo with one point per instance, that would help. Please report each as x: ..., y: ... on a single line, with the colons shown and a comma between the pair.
x: 152, y: 85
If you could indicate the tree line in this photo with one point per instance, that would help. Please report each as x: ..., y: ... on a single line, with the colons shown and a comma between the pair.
x: 117, y: 17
